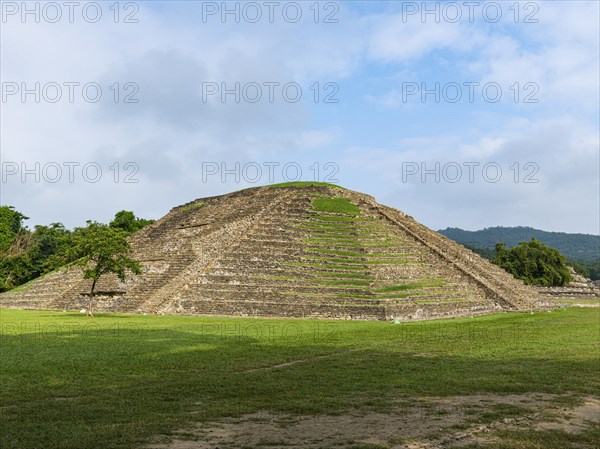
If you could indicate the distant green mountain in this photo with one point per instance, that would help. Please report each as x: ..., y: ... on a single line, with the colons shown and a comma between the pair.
x: 579, y: 247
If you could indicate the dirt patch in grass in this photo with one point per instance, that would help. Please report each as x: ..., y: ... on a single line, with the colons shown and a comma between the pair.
x: 411, y: 423
x: 574, y: 420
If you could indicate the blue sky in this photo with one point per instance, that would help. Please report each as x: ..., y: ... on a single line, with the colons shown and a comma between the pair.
x: 371, y: 58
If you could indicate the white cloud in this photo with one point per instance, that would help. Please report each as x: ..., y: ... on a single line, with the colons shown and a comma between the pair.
x: 549, y: 177
x: 395, y: 40
x: 171, y: 131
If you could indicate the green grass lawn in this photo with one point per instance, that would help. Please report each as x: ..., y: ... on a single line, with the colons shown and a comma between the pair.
x: 336, y: 205
x: 115, y: 381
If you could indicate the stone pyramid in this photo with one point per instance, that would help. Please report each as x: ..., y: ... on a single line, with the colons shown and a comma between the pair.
x: 299, y: 250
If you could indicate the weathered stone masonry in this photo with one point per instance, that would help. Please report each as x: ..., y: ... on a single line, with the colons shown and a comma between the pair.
x: 267, y: 252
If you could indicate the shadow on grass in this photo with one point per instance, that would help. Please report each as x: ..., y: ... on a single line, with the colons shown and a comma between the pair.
x: 78, y: 388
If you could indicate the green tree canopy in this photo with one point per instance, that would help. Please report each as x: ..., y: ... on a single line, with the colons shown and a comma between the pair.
x: 26, y: 255
x: 100, y: 249
x: 11, y: 225
x: 534, y: 263
x: 128, y: 222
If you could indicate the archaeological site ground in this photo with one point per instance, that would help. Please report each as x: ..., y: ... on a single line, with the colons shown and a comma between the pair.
x: 507, y: 380
x: 297, y: 316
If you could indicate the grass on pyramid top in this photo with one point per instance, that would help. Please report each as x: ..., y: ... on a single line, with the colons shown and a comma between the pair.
x: 305, y: 184
x: 336, y: 205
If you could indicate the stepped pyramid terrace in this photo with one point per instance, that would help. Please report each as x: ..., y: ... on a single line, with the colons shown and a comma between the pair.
x: 292, y: 250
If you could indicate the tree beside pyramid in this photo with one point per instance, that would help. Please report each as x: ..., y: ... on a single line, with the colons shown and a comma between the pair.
x: 99, y: 250
x: 296, y: 250
x: 28, y: 254
x: 534, y: 263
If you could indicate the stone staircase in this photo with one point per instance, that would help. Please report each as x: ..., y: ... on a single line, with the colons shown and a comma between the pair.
x: 503, y: 288
x: 268, y: 252
x: 579, y: 288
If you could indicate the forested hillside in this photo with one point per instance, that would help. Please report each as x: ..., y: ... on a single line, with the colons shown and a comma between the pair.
x: 581, y: 250
x: 578, y: 247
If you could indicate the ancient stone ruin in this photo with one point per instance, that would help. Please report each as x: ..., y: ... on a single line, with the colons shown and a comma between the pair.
x: 292, y: 251
x: 579, y: 288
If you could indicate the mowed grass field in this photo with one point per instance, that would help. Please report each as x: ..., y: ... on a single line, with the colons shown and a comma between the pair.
x: 125, y: 381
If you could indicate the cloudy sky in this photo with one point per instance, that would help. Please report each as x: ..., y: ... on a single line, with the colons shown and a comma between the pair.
x: 463, y: 115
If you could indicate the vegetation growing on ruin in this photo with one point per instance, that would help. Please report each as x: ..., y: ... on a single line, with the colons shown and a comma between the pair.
x: 28, y: 254
x: 305, y: 184
x: 336, y: 205
x: 194, y: 206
